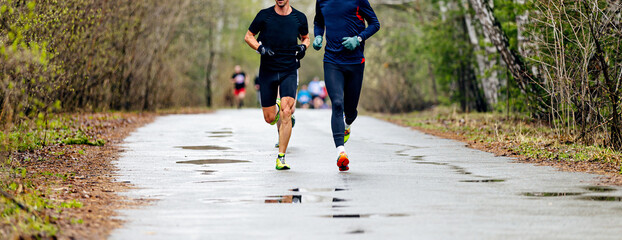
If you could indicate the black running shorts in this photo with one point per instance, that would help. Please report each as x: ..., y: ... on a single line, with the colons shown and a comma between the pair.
x: 270, y: 82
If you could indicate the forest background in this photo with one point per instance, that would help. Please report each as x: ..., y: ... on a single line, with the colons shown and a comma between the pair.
x: 554, y: 61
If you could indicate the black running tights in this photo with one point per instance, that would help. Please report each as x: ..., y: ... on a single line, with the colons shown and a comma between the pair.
x: 343, y: 83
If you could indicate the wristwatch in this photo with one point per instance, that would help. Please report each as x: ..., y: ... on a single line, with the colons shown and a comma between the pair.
x: 359, y: 38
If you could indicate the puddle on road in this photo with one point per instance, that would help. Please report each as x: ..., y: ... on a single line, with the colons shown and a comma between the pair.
x: 220, y: 136
x: 212, y: 161
x: 358, y: 231
x: 206, y: 147
x: 221, y: 132
x: 603, y: 198
x: 460, y: 170
x: 317, y: 189
x: 300, y: 198
x: 214, y: 181
x: 599, y: 189
x: 207, y: 172
x: 483, y: 180
x: 401, y: 153
x: 365, y: 215
x: 432, y: 163
x: 347, y: 216
x: 550, y: 194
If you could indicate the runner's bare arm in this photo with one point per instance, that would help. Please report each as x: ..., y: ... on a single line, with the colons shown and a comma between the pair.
x: 305, y: 40
x: 251, y: 40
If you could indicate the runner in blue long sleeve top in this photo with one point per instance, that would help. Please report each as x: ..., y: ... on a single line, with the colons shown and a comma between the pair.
x: 341, y: 19
x: 343, y: 22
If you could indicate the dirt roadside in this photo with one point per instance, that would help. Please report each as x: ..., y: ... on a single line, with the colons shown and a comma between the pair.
x: 81, y: 175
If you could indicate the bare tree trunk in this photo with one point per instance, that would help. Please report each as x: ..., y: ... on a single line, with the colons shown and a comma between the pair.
x: 612, y: 87
x: 526, y: 82
x: 208, y: 78
x: 485, y: 63
x: 433, y: 79
x: 492, y: 29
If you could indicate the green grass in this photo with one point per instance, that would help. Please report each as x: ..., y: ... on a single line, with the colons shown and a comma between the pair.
x: 39, y: 220
x: 58, y: 129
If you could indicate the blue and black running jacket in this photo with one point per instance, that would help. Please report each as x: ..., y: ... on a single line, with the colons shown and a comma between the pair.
x: 344, y: 18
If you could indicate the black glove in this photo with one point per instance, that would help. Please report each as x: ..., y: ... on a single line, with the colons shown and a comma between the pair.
x: 300, y: 51
x: 265, y: 51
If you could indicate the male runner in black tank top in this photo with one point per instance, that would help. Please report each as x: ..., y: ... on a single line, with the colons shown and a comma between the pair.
x: 279, y: 28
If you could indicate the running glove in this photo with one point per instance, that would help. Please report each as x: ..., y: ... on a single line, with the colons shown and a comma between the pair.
x: 300, y: 51
x: 265, y: 51
x: 351, y: 43
x: 317, y: 43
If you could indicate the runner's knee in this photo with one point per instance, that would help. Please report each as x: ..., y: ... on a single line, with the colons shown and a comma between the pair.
x: 287, y: 112
x: 269, y: 119
x: 337, y: 106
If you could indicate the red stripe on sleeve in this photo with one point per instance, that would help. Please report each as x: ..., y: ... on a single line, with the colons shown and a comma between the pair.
x: 358, y: 15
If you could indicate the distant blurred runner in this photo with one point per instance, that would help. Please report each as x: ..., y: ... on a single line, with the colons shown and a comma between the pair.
x: 239, y: 80
x: 258, y: 89
x: 314, y: 87
x: 304, y: 97
x: 344, y: 62
x: 279, y: 28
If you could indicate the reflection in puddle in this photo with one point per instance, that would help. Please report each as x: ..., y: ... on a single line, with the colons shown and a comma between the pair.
x: 221, y: 132
x: 212, y: 161
x: 550, y: 194
x: 599, y: 189
x: 365, y: 215
x: 299, y: 199
x: 207, y: 172
x: 214, y: 181
x: 317, y: 189
x: 417, y: 158
x: 483, y: 180
x: 603, y: 198
x: 401, y: 153
x: 220, y: 136
x: 432, y: 163
x: 396, y: 215
x: 347, y: 216
x: 207, y: 147
x: 460, y: 170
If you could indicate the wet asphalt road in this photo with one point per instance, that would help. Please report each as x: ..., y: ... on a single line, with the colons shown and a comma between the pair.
x: 214, y: 178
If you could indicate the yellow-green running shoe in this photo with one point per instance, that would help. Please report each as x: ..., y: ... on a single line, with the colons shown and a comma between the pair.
x: 280, y: 163
x: 346, y: 135
x: 278, y: 111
